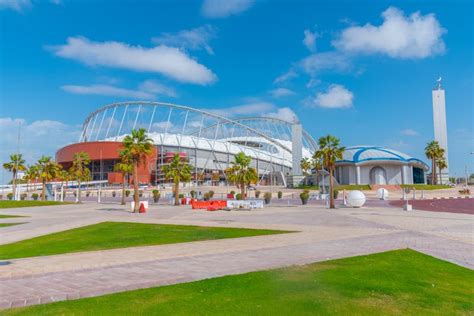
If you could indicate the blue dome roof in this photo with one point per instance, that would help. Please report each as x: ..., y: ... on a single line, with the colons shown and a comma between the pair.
x: 358, y: 154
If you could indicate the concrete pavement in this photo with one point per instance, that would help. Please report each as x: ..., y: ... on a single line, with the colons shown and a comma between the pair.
x: 321, y: 234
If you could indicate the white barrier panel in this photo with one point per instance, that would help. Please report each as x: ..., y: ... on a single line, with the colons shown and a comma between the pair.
x: 245, y: 204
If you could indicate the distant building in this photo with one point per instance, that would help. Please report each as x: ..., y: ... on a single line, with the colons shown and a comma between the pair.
x: 379, y: 165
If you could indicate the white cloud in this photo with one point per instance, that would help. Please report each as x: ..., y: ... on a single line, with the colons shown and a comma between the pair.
x: 281, y: 92
x: 336, y: 97
x: 149, y: 89
x: 224, y: 8
x: 326, y: 61
x: 399, y: 36
x: 17, y: 5
x: 154, y: 87
x: 35, y: 137
x: 162, y: 126
x: 310, y: 40
x: 313, y: 82
x: 247, y: 109
x: 169, y: 61
x: 194, y: 39
x: 285, y: 114
x: 285, y: 76
x: 102, y: 89
x: 409, y: 132
x: 257, y: 108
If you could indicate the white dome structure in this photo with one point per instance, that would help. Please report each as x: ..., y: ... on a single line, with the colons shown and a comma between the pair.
x: 379, y: 166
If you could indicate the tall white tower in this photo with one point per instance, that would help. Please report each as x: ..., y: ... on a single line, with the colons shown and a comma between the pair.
x: 439, y: 124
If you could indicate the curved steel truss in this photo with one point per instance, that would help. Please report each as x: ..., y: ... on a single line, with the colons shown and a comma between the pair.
x: 183, y: 128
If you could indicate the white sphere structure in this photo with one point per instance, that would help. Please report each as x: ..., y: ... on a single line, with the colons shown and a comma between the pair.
x: 382, y: 194
x: 356, y: 198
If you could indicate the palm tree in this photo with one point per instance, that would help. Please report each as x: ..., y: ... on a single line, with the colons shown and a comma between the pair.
x: 328, y: 152
x: 178, y: 170
x: 432, y: 150
x: 306, y: 166
x: 125, y: 168
x: 31, y: 174
x: 138, y: 146
x: 79, y: 170
x: 442, y: 164
x: 16, y: 163
x: 241, y: 173
x: 47, y: 171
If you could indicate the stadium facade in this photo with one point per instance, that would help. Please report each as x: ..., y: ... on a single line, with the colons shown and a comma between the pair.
x: 208, y: 141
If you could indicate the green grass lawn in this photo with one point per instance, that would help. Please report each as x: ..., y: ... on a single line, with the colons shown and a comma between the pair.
x: 9, y: 224
x: 9, y: 216
x: 402, y: 282
x: 425, y: 186
x: 109, y: 235
x: 27, y: 203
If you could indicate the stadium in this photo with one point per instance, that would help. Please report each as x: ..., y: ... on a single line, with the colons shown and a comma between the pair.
x: 208, y: 141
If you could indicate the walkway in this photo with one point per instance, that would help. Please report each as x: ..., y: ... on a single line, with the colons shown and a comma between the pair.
x: 322, y: 235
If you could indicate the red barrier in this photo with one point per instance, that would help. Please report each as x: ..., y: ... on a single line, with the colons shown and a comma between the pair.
x: 204, y: 205
x: 142, y: 208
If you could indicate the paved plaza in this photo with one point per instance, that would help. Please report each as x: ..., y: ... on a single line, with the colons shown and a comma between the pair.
x: 320, y: 234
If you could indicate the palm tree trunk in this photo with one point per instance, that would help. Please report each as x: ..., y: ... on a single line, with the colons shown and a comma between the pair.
x: 434, y: 179
x: 176, y: 193
x: 14, y: 185
x: 136, y: 207
x: 43, y: 191
x: 123, y: 189
x: 331, y: 189
x: 78, y: 191
x: 440, y: 178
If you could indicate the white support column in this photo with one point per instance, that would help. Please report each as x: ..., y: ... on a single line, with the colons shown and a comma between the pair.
x: 403, y: 174
x: 357, y: 174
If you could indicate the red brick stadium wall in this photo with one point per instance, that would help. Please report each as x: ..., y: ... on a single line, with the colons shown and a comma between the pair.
x: 108, y: 150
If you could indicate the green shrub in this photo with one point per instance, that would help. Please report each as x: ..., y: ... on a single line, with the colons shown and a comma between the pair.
x: 127, y: 193
x: 304, y: 196
x: 280, y: 194
x: 211, y: 194
x: 232, y: 192
x: 180, y: 196
x: 239, y: 196
x: 193, y: 194
x: 336, y: 193
x: 206, y: 196
x: 257, y: 194
x: 10, y: 196
x: 267, y: 197
x: 23, y: 196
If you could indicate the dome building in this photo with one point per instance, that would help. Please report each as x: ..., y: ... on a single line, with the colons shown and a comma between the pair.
x: 380, y: 166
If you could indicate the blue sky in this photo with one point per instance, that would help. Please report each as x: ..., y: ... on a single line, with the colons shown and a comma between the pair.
x: 362, y: 71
